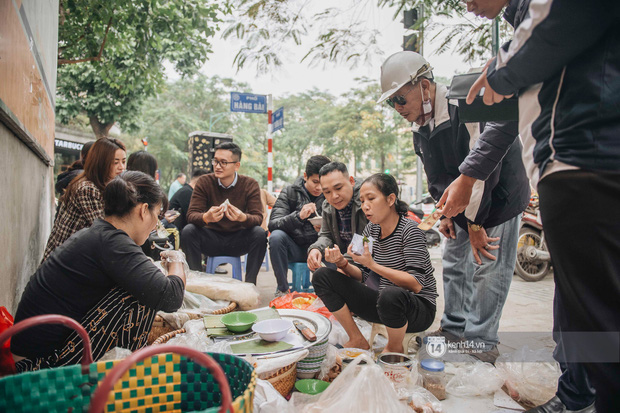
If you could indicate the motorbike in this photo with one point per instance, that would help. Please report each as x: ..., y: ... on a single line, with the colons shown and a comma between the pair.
x: 533, y: 258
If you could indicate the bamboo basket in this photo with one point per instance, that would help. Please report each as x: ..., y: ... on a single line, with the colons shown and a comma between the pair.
x: 283, y: 379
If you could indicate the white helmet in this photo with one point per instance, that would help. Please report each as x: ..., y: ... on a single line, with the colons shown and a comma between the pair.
x: 400, y: 68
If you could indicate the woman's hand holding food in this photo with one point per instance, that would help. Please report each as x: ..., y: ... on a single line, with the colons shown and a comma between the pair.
x: 365, y: 259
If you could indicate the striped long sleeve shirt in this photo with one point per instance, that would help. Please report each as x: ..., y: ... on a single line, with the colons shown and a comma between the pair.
x: 404, y: 250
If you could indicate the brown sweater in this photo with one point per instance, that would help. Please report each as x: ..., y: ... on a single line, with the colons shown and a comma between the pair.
x: 245, y: 195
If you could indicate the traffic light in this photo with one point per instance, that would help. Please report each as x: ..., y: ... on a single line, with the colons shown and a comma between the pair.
x: 410, y: 18
x: 410, y: 42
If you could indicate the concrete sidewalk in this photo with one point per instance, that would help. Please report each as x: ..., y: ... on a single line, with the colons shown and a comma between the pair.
x: 526, y: 320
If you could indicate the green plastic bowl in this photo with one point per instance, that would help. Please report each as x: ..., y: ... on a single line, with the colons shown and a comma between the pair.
x: 311, y: 386
x: 239, y: 321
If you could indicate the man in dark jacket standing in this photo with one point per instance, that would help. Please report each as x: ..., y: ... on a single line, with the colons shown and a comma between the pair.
x: 480, y: 255
x: 291, y: 231
x: 564, y: 63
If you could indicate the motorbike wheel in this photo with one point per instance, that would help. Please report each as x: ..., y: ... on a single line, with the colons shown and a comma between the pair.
x: 527, y: 269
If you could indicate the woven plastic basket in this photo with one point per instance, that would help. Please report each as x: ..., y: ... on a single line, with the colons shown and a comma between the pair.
x: 164, y: 382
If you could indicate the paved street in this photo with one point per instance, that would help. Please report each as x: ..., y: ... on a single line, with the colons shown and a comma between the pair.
x: 527, y: 314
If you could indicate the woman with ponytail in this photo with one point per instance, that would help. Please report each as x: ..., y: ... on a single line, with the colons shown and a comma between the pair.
x: 394, y: 285
x: 101, y: 278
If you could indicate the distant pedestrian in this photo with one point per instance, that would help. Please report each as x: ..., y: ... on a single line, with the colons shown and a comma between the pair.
x: 177, y: 184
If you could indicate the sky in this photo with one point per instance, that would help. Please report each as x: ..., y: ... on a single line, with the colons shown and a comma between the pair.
x: 294, y: 77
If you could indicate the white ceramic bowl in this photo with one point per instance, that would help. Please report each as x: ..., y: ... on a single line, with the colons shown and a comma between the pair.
x: 316, y: 220
x: 272, y: 330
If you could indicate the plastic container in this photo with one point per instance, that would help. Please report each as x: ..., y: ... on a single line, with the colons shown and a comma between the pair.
x: 272, y: 330
x: 396, y: 366
x: 434, y: 377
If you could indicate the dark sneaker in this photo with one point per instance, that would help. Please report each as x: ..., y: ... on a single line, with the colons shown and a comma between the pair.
x: 279, y: 293
x: 440, y: 333
x: 554, y: 405
x: 487, y: 356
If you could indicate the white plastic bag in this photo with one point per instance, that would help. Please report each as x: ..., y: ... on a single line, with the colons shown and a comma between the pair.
x: 359, y: 390
x: 476, y: 379
x: 217, y: 287
x: 268, y: 400
x: 531, y: 375
x: 422, y: 400
x: 117, y: 353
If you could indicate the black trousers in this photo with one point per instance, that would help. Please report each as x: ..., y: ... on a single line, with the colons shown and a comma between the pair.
x: 392, y: 306
x: 118, y: 320
x: 252, y: 241
x: 580, y: 212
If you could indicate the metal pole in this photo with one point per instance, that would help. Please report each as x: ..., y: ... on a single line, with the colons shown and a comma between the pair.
x: 419, y: 170
x: 269, y: 144
x: 495, y: 36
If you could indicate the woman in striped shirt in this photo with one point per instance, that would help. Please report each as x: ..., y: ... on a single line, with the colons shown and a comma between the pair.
x: 394, y: 285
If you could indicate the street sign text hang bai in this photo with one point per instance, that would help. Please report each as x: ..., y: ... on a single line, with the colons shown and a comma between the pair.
x: 248, y: 102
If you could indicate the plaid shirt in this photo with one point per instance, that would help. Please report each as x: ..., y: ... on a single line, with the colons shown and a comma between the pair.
x: 344, y: 223
x: 74, y: 214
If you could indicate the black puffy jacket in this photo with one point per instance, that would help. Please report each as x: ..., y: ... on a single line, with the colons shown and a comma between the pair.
x: 285, y: 214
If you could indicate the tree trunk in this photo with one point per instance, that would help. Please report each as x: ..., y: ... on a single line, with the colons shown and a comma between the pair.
x: 382, y: 162
x: 101, y: 129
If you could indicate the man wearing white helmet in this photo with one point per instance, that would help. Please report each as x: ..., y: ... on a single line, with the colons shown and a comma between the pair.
x: 480, y: 255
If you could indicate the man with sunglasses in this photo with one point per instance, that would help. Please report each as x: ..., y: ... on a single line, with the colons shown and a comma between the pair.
x: 480, y: 254
x: 217, y: 227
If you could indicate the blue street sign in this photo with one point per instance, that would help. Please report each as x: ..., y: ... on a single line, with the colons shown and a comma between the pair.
x: 277, y: 119
x: 248, y: 102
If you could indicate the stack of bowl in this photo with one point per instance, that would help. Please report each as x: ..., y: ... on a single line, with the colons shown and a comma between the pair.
x: 311, y: 365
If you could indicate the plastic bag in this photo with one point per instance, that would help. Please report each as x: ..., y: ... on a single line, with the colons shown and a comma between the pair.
x: 217, y: 287
x: 301, y: 301
x: 359, y: 390
x: 477, y: 379
x: 423, y: 401
x: 7, y: 366
x: 192, y: 304
x: 529, y: 379
x: 268, y: 400
x: 329, y: 362
x: 117, y: 353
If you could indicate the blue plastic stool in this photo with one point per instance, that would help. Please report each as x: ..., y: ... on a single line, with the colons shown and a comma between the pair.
x: 301, y: 277
x: 264, y: 264
x: 213, y: 262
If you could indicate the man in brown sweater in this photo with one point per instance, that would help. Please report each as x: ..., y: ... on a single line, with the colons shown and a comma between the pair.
x: 216, y: 227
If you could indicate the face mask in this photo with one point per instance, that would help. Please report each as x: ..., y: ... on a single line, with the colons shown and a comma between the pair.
x: 427, y: 109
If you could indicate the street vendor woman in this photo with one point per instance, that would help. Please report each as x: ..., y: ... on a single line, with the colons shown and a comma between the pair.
x: 101, y: 278
x: 394, y: 285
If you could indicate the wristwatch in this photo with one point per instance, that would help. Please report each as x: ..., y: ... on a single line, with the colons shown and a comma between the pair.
x: 474, y: 227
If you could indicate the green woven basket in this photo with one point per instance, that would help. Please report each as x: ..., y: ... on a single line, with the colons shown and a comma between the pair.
x: 160, y: 383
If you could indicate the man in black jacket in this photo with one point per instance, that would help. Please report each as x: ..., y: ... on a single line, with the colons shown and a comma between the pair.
x: 480, y: 254
x: 291, y: 231
x: 180, y: 200
x: 564, y: 64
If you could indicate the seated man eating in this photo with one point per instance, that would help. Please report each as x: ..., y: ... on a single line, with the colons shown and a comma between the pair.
x: 225, y: 214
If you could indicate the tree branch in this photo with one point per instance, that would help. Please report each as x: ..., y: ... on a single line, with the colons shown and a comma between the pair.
x: 94, y: 58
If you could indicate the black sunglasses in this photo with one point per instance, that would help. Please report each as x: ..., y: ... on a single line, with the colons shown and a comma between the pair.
x: 400, y: 99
